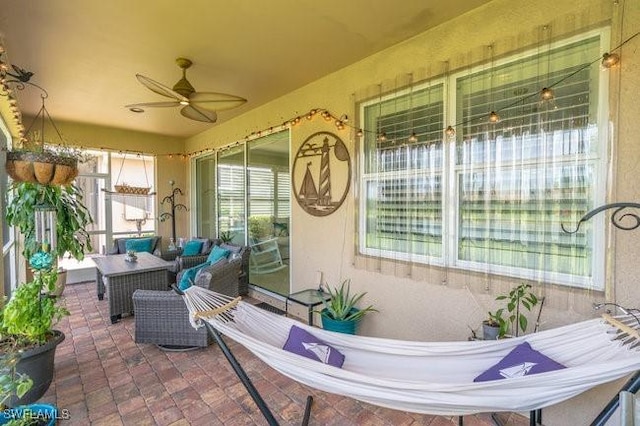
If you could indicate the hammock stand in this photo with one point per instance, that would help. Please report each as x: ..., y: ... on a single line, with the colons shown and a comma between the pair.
x: 237, y: 368
x: 225, y: 309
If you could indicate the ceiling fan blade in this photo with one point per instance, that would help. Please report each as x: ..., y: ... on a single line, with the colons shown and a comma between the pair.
x: 216, y: 101
x: 154, y: 104
x: 198, y: 114
x: 160, y: 89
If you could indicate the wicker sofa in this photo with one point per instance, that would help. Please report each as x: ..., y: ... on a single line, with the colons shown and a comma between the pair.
x: 243, y: 252
x: 119, y: 245
x: 161, y: 317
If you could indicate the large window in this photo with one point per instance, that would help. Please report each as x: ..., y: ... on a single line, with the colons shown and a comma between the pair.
x: 493, y: 197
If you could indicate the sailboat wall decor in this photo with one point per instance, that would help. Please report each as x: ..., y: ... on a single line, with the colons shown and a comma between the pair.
x: 321, y: 174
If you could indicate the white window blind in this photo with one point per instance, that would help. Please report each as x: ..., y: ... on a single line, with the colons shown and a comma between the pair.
x: 230, y: 196
x: 261, y: 191
x: 492, y: 198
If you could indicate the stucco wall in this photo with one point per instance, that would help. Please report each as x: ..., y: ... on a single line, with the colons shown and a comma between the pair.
x: 425, y: 303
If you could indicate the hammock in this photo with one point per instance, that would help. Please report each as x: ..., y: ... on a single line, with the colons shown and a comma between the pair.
x: 431, y: 377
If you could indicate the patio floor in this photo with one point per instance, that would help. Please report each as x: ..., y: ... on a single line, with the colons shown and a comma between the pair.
x: 103, y: 378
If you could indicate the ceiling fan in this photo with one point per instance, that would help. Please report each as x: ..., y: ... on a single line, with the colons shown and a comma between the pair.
x: 199, y: 106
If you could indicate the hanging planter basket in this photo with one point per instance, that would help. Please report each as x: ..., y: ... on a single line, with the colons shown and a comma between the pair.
x: 132, y: 190
x: 41, y: 167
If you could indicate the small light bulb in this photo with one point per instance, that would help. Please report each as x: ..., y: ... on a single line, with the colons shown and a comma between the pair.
x: 413, y: 138
x: 382, y: 137
x: 494, y: 117
x: 546, y: 94
x: 610, y: 60
x: 450, y: 131
x: 184, y: 103
x: 359, y: 133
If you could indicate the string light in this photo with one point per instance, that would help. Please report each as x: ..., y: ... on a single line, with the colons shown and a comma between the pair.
x: 546, y: 94
x: 610, y: 60
x: 359, y: 133
x: 413, y: 138
x: 450, y: 131
x: 494, y: 117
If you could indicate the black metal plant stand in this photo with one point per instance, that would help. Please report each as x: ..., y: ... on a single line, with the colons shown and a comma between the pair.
x: 171, y: 199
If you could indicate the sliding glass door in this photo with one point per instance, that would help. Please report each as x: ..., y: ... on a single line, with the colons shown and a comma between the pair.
x: 269, y: 189
x: 244, y: 192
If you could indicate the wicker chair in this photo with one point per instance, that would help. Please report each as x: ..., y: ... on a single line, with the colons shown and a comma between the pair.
x: 161, y: 317
x: 186, y: 262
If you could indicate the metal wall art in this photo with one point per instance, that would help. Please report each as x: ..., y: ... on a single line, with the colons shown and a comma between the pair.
x: 321, y: 174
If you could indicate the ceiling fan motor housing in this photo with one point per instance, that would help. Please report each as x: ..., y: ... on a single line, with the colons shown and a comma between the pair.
x: 183, y: 86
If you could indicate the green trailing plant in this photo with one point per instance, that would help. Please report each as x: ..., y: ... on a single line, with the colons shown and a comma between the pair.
x: 72, y: 217
x: 28, y: 317
x: 513, y: 318
x: 342, y: 305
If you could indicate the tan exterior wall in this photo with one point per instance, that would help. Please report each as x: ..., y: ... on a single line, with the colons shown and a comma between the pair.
x: 421, y: 303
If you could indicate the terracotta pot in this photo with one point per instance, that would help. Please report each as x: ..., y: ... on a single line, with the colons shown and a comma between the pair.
x: 41, y: 167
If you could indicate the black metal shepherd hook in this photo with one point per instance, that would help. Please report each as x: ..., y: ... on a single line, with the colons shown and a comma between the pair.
x: 171, y: 199
x: 617, y: 217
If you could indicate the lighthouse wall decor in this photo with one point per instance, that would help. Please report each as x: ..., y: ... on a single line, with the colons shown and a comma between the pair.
x: 321, y: 174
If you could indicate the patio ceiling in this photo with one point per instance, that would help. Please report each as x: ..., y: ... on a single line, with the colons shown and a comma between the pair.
x: 86, y: 53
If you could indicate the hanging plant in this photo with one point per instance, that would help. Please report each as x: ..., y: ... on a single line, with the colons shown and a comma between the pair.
x: 42, y: 167
x: 72, y: 217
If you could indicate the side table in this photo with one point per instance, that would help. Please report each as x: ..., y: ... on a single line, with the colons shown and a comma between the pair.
x: 310, y: 298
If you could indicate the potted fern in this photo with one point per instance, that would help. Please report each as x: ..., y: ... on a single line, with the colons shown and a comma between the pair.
x: 340, y: 312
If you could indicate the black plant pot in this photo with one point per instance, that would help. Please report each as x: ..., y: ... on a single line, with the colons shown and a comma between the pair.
x: 37, y: 363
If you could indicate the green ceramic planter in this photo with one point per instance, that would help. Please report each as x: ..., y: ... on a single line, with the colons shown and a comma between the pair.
x: 339, y: 326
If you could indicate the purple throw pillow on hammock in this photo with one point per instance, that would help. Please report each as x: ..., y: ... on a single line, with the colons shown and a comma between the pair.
x: 306, y: 344
x: 521, y: 361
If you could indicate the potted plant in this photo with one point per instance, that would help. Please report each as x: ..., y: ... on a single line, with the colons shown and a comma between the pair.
x: 340, y: 312
x: 29, y: 316
x: 27, y: 328
x: 518, y: 299
x: 15, y: 384
x: 36, y: 162
x: 72, y: 217
x: 226, y: 236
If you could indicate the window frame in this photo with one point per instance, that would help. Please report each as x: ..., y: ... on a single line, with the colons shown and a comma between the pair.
x: 452, y: 173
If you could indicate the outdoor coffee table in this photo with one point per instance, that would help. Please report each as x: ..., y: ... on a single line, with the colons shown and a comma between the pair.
x: 120, y: 278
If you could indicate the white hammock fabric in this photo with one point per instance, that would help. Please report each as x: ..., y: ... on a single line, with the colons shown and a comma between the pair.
x: 430, y: 377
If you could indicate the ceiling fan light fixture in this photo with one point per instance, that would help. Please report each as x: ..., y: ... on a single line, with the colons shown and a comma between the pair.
x: 198, y: 106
